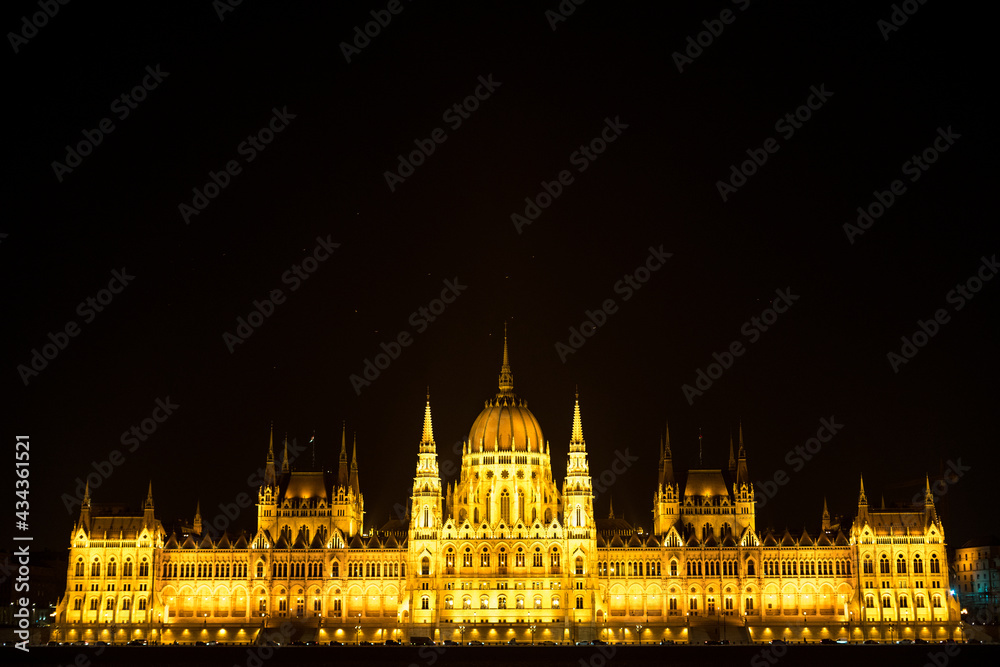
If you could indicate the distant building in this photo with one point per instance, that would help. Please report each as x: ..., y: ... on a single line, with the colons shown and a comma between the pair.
x: 977, y: 567
x: 508, y: 551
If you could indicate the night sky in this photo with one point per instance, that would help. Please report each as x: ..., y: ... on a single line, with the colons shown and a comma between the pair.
x: 337, y: 111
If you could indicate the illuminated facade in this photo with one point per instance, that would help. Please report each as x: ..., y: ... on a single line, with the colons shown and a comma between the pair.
x: 505, y: 552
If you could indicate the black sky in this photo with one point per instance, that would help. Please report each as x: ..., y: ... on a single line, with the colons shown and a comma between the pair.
x: 323, y: 176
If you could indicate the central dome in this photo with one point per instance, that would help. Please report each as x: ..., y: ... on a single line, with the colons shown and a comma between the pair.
x: 506, y: 424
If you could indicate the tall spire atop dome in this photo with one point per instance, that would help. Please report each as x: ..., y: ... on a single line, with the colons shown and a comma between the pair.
x: 506, y: 377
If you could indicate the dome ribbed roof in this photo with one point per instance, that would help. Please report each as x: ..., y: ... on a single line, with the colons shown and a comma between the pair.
x: 505, y: 425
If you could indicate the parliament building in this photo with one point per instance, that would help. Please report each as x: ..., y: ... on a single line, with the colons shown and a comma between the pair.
x: 507, y: 551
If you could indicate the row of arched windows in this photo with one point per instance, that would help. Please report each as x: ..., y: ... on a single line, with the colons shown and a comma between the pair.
x: 904, y: 602
x: 646, y: 568
x: 372, y: 570
x: 112, y: 567
x: 885, y: 567
x: 109, y: 605
x: 807, y: 568
x: 484, y: 602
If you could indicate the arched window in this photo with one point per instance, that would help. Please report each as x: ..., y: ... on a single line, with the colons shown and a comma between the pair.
x: 95, y: 568
x: 673, y: 568
x: 78, y: 604
x: 538, y: 602
x: 260, y: 569
x: 579, y: 564
x: 903, y: 603
x: 427, y: 517
x: 335, y: 569
x: 126, y: 604
x: 505, y: 506
x: 579, y: 516
x: 449, y: 602
x: 502, y: 602
x: 79, y: 568
x: 425, y: 566
x: 935, y: 567
x: 579, y: 602
x: 466, y: 602
x: 127, y: 569
x: 918, y: 565
x: 112, y: 568
x: 750, y: 569
x: 883, y: 564
x: 554, y: 557
x: 900, y: 564
x: 555, y: 601
x: 484, y: 602
x: 869, y: 567
x: 519, y: 602
x: 144, y: 568
x: 142, y: 604
x: 520, y: 505
x: 425, y: 602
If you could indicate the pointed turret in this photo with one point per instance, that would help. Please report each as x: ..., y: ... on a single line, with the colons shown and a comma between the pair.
x: 929, y: 510
x: 343, y: 476
x: 862, y: 506
x: 732, y: 457
x: 355, y: 485
x: 742, y: 475
x: 506, y: 377
x: 611, y: 508
x: 197, y: 519
x: 286, y: 464
x: 667, y: 460
x: 426, y: 500
x: 270, y: 477
x: 826, y: 516
x: 85, y: 506
x: 427, y: 439
x: 578, y: 497
x: 576, y: 434
x: 148, y: 517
